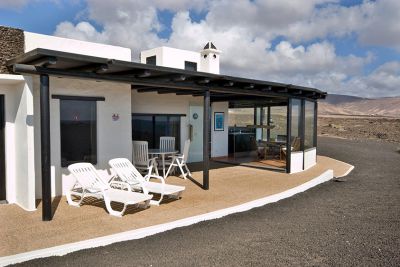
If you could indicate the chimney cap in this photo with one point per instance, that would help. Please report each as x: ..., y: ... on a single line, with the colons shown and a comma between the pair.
x: 210, y: 45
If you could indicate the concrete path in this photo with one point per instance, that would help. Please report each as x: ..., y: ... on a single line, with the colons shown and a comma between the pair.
x: 353, y: 222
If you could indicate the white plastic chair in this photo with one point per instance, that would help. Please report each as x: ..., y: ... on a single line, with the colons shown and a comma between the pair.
x: 90, y: 183
x: 141, y: 158
x: 180, y: 161
x: 129, y: 174
x: 167, y: 143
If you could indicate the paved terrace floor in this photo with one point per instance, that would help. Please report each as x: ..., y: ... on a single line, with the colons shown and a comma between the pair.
x: 23, y: 231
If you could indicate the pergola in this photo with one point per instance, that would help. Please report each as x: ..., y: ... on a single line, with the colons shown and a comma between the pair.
x: 149, y: 78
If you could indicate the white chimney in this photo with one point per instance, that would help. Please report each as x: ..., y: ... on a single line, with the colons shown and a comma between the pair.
x: 209, y: 58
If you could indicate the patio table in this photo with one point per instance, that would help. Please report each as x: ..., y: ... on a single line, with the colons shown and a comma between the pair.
x: 162, y: 153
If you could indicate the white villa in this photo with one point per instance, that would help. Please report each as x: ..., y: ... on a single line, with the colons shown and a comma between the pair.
x: 64, y: 101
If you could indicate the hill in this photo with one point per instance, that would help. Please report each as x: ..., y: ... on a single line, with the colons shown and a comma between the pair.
x: 351, y: 105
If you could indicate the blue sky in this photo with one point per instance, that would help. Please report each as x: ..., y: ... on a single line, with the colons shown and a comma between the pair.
x: 327, y: 44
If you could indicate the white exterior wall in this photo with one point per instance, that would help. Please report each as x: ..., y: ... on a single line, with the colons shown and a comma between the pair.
x: 113, y: 137
x: 35, y: 40
x: 310, y: 158
x: 219, y: 139
x: 296, y: 161
x: 171, y: 57
x: 153, y: 103
x: 19, y: 135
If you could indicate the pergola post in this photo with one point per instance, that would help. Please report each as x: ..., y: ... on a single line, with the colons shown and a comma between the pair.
x: 289, y: 135
x: 45, y: 147
x: 206, y: 139
x: 269, y: 123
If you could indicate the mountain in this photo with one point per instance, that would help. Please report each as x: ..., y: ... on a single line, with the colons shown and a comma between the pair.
x: 352, y: 105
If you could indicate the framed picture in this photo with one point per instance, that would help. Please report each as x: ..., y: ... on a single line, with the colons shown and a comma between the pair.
x: 218, y: 121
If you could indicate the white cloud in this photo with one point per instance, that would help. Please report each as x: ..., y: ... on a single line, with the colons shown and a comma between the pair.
x: 13, y: 4
x: 245, y: 30
x: 382, y: 27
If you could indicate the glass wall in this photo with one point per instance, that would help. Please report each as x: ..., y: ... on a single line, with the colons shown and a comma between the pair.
x: 295, y: 139
x: 241, y: 136
x: 278, y: 123
x: 149, y: 127
x: 309, y: 124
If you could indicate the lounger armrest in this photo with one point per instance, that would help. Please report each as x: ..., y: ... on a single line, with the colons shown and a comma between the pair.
x: 120, y: 185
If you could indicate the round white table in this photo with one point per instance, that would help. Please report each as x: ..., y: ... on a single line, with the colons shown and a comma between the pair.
x: 162, y: 153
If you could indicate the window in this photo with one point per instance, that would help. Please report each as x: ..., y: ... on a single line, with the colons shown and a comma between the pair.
x: 309, y: 125
x: 150, y: 127
x: 78, y: 131
x: 151, y: 60
x: 296, y: 124
x: 190, y: 66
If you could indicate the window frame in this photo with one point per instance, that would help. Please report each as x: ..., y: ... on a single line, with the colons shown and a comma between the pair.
x: 151, y: 60
x: 189, y: 65
x: 94, y: 99
x: 153, y: 135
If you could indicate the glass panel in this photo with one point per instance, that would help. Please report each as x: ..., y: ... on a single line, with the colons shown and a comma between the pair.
x: 174, y: 129
x: 296, y: 124
x: 278, y: 122
x: 160, y: 129
x: 309, y: 125
x: 151, y: 127
x: 142, y: 129
x: 78, y: 131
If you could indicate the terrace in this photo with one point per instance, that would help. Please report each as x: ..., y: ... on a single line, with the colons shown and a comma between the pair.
x: 235, y: 189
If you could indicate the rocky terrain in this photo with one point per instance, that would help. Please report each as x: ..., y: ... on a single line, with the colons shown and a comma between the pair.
x: 349, y: 127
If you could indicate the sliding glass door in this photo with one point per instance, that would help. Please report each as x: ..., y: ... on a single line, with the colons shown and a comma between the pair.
x: 150, y: 127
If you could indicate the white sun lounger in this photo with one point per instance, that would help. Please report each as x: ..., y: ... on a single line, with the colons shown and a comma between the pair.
x: 129, y: 174
x: 90, y: 183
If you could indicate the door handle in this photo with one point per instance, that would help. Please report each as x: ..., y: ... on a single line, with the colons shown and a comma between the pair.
x: 191, y: 132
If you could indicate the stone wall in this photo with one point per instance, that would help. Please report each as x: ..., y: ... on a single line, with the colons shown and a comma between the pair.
x: 11, y: 45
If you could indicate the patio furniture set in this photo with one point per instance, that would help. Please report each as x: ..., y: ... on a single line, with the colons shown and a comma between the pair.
x: 131, y: 184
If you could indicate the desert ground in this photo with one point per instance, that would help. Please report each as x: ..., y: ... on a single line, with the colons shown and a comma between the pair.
x: 360, y: 127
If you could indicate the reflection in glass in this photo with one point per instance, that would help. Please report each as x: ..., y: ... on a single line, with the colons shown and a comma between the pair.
x: 309, y: 125
x: 78, y: 131
x: 150, y: 128
x: 296, y: 124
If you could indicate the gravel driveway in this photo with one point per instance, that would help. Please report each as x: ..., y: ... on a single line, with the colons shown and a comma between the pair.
x: 353, y: 222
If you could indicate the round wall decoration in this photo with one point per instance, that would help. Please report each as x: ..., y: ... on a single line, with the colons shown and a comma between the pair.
x: 195, y: 116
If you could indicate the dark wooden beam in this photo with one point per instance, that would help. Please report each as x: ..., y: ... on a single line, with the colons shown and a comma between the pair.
x: 229, y: 84
x: 133, y: 80
x: 250, y: 86
x: 143, y: 74
x: 45, y: 147
x: 96, y: 68
x: 44, y: 61
x: 203, y: 81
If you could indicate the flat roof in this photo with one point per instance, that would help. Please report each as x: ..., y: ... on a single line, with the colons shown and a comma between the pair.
x: 151, y: 78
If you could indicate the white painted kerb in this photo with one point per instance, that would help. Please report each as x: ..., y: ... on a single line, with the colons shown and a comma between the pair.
x: 147, y: 231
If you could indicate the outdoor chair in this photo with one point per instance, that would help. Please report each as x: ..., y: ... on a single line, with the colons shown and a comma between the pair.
x: 167, y: 143
x: 141, y: 158
x: 295, y: 146
x: 90, y: 183
x: 180, y: 161
x: 127, y: 173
